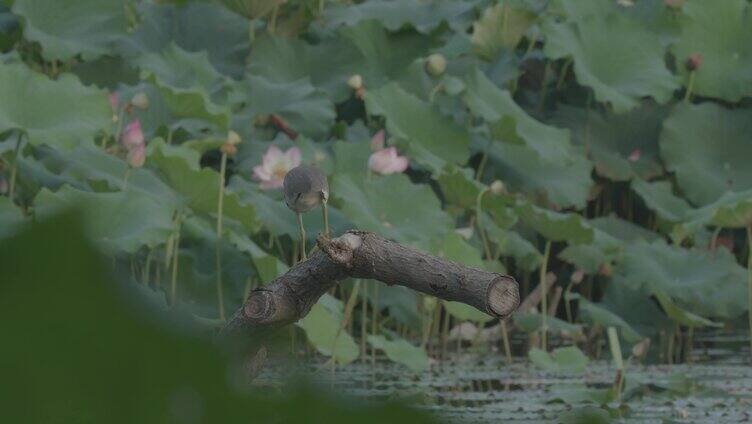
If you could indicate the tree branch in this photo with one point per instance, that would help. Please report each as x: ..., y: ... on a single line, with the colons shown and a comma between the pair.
x: 362, y: 254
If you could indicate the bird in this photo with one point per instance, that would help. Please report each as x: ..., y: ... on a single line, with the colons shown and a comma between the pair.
x: 304, y: 188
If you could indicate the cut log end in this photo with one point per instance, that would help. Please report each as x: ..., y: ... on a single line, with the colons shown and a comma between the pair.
x: 503, y: 297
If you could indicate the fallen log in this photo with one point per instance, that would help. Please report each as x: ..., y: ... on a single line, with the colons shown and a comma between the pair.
x: 361, y: 254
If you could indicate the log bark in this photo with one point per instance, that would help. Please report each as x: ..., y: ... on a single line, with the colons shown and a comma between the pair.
x: 362, y: 254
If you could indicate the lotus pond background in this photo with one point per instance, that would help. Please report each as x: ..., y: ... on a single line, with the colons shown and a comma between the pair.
x: 598, y: 151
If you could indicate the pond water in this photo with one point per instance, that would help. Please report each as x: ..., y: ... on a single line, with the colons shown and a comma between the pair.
x: 474, y: 388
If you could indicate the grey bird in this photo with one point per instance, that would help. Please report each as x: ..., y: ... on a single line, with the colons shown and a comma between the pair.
x: 305, y: 187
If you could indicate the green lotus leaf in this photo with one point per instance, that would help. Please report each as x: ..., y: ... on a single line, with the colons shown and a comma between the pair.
x: 66, y: 29
x: 622, y: 146
x: 91, y: 164
x: 366, y: 49
x: 424, y: 16
x: 400, y: 302
x: 631, y: 304
x: 252, y: 9
x: 502, y: 26
x: 659, y: 197
x: 322, y: 327
x: 510, y: 122
x: 465, y: 312
x: 267, y: 266
x: 533, y: 321
x: 199, y: 186
x: 194, y: 27
x: 189, y: 84
x: 402, y: 352
x: 379, y: 205
x: 595, y: 313
x: 460, y: 189
x: 563, y: 183
x: 556, y: 226
x: 708, y: 147
x: 60, y: 113
x: 511, y: 243
x: 563, y: 359
x: 11, y: 217
x: 120, y: 221
x: 710, y: 284
x: 532, y: 156
x: 179, y: 68
x: 306, y: 109
x: 621, y: 60
x: 683, y: 316
x: 720, y: 32
x: 428, y: 137
x: 732, y: 210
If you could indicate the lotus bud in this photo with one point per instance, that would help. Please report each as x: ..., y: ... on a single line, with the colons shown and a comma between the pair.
x: 261, y: 120
x: 355, y: 82
x: 133, y: 136
x: 114, y: 104
x: 378, y: 141
x: 228, y: 149
x: 606, y: 270
x: 233, y: 138
x: 137, y: 156
x: 497, y: 188
x: 429, y: 303
x: 694, y: 61
x: 141, y: 101
x: 641, y: 349
x: 577, y: 276
x: 436, y: 64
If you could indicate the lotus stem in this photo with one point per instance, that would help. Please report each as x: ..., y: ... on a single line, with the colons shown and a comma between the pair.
x: 218, y: 249
x: 14, y: 170
x: 302, y: 236
x: 613, y: 342
x: 325, y: 211
x: 349, y: 306
x: 690, y: 86
x: 478, y: 217
x: 505, y: 339
x: 749, y: 282
x: 363, y: 326
x: 175, y: 259
x: 544, y: 294
x: 374, y: 320
x: 126, y: 177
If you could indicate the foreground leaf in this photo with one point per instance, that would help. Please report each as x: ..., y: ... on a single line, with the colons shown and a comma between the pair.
x: 120, y: 222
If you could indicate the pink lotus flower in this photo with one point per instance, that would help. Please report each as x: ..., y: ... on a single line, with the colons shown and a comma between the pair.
x: 275, y: 164
x: 635, y: 155
x: 386, y: 161
x: 133, y: 136
x: 137, y: 156
x: 377, y: 142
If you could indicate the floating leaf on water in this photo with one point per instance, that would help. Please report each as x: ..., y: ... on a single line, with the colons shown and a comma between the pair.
x: 563, y: 359
x: 401, y: 351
